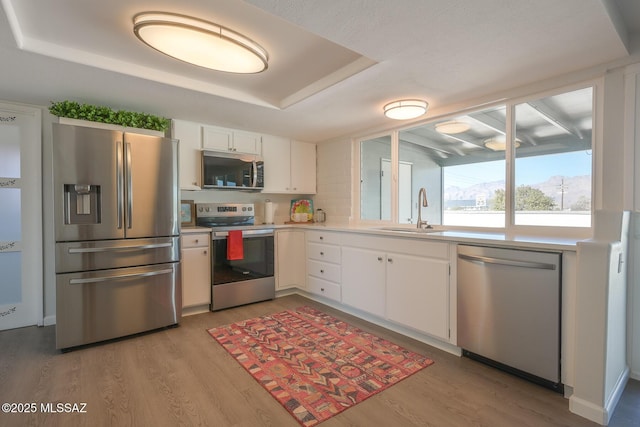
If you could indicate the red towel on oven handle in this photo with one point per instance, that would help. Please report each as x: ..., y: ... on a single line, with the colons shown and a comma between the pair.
x: 235, y: 247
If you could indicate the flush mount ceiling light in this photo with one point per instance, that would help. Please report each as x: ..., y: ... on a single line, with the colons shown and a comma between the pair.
x: 498, y: 143
x: 405, y: 109
x: 200, y: 42
x: 452, y: 127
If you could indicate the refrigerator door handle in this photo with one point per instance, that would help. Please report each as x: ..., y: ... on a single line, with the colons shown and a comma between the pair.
x: 119, y: 184
x: 119, y: 277
x: 129, y: 186
x: 118, y: 248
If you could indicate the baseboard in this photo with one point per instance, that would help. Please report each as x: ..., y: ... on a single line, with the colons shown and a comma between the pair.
x: 587, y: 410
x: 596, y: 413
x: 198, y: 309
x: 617, y: 393
x: 416, y: 335
x: 49, y: 320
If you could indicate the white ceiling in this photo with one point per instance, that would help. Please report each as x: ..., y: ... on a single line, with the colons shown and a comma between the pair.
x: 333, y: 63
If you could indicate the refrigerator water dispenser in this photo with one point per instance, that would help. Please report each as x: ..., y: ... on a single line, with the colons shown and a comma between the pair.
x: 82, y: 204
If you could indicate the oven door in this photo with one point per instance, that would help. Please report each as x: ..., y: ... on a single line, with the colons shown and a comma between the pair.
x: 256, y: 263
x: 251, y: 279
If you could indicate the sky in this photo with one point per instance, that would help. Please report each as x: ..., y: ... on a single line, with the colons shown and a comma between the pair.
x: 529, y: 170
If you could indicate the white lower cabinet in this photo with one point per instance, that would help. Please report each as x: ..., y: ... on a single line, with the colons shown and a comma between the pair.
x: 196, y: 270
x: 405, y: 281
x: 418, y: 293
x: 291, y: 256
x: 363, y: 279
x: 323, y: 264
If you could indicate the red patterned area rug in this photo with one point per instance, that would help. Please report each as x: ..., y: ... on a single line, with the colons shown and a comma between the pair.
x: 315, y: 365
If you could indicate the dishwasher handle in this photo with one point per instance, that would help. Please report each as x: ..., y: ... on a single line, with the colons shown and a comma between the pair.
x: 510, y: 262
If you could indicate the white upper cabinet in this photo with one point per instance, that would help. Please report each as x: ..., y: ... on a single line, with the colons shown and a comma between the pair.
x: 230, y: 140
x: 189, y: 134
x: 277, y: 160
x: 289, y: 166
x: 303, y: 167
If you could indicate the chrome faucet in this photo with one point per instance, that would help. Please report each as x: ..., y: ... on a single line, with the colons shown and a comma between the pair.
x: 422, y: 201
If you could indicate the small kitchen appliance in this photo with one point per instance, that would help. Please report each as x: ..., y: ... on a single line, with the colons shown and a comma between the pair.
x: 320, y: 216
x: 232, y: 171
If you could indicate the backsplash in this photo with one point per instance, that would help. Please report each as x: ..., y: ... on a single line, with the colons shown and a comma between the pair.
x: 281, y: 202
x: 334, y: 181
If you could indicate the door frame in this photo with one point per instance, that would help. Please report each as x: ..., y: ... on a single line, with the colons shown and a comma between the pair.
x: 31, y: 202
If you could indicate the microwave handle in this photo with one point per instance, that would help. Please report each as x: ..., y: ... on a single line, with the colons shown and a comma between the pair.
x: 254, y: 175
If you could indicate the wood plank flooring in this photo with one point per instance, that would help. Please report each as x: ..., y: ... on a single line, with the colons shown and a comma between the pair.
x: 182, y: 377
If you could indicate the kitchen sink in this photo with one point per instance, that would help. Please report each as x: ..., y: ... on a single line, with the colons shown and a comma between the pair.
x: 408, y: 229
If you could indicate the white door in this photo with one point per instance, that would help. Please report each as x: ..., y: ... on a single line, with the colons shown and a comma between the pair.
x: 21, y: 213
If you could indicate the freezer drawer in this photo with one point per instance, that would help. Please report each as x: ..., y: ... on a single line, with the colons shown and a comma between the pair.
x: 106, y: 254
x: 101, y: 305
x: 509, y: 309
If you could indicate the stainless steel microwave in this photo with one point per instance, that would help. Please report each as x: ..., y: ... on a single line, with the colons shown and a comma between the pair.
x: 232, y: 171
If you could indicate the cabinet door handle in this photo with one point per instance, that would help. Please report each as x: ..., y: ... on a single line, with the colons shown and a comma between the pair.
x: 197, y: 241
x: 321, y: 289
x: 321, y: 238
x: 322, y: 253
x: 321, y: 271
x: 379, y: 258
x: 390, y: 260
x: 206, y: 252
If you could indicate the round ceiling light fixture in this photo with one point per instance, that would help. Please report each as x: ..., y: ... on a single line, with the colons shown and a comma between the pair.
x: 452, y: 127
x: 200, y: 42
x: 498, y: 143
x: 405, y: 109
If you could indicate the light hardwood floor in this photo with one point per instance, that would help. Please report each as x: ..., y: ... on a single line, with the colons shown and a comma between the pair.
x: 182, y: 377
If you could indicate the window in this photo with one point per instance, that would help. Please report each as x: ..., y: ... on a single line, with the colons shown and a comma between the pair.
x: 462, y: 163
x: 553, y: 160
x: 375, y: 178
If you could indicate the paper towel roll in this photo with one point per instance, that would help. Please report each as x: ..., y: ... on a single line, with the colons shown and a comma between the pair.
x: 268, y: 212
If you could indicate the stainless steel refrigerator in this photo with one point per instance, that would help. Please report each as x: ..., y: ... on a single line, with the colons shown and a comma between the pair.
x: 117, y: 234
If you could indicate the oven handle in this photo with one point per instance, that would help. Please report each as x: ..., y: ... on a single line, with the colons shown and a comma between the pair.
x: 221, y: 235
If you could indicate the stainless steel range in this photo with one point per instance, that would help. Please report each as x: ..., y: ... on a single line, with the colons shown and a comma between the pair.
x: 243, y: 279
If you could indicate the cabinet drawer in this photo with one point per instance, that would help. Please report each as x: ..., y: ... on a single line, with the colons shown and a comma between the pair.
x: 324, y: 270
x: 327, y: 253
x: 324, y: 288
x: 195, y: 240
x: 323, y: 237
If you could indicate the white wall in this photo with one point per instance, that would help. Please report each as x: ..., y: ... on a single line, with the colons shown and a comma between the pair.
x: 334, y: 171
x: 632, y: 190
x: 47, y: 219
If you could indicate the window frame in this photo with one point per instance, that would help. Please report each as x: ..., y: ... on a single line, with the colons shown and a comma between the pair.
x: 511, y: 229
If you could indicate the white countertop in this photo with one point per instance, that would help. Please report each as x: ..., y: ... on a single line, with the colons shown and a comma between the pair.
x: 465, y: 237
x: 189, y: 230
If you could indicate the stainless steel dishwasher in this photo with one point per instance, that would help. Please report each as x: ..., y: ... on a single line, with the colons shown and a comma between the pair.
x: 509, y: 311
